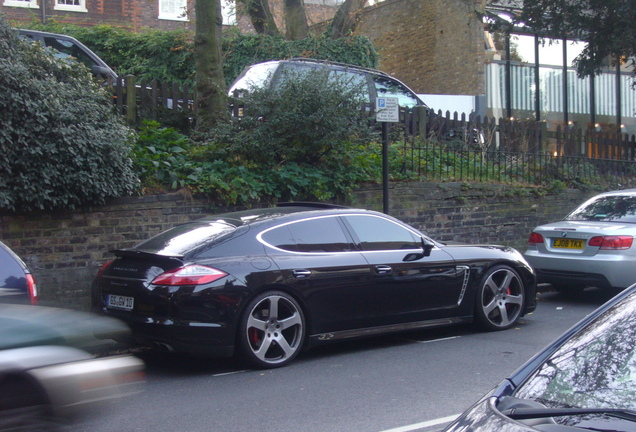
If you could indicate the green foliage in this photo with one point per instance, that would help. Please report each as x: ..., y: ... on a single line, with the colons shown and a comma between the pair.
x: 167, y: 56
x: 61, y: 145
x: 245, y: 50
x: 309, y: 139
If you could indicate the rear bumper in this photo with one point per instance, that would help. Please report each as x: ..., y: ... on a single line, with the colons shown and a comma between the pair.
x: 603, y: 271
x: 191, y: 337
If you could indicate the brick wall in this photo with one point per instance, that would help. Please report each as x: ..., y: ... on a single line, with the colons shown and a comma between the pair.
x: 434, y: 46
x: 64, y: 250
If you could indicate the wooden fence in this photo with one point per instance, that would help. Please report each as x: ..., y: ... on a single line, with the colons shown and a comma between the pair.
x: 153, y: 100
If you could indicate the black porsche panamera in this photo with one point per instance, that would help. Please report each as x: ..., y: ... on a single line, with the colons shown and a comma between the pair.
x: 269, y: 282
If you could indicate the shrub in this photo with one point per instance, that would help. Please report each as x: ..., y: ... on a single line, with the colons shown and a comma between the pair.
x: 61, y: 145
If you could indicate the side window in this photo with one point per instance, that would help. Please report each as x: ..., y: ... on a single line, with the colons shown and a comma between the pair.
x: 389, y: 88
x: 68, y: 49
x: 376, y: 233
x: 314, y: 235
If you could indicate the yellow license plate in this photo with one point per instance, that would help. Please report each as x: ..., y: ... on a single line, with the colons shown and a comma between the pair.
x: 568, y: 243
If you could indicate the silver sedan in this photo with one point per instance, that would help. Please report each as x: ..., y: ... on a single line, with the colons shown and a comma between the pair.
x: 591, y: 246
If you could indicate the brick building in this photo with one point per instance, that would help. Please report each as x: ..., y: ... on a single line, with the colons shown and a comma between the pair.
x: 137, y: 14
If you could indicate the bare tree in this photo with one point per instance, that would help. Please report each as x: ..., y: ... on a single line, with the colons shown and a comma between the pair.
x: 211, y: 99
x: 261, y: 16
x: 296, y: 26
x: 346, y: 18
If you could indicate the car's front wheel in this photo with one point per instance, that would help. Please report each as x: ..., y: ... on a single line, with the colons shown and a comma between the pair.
x: 272, y: 330
x: 500, y: 298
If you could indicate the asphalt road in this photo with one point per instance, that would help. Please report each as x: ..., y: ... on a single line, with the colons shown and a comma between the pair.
x: 409, y: 382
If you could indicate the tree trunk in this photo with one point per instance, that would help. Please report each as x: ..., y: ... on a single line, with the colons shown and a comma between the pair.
x: 261, y: 17
x: 211, y: 100
x: 295, y: 20
x: 346, y: 18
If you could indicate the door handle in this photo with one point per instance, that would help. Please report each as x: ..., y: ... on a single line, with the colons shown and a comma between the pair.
x: 301, y: 273
x: 383, y: 269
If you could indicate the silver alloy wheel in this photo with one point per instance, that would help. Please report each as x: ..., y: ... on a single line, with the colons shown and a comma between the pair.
x: 273, y: 330
x: 500, y: 298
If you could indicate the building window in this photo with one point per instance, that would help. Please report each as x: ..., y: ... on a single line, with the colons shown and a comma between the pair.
x: 71, y: 5
x: 21, y: 3
x: 176, y: 10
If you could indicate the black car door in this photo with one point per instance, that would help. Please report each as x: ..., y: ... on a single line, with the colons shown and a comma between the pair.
x: 318, y: 260
x: 408, y: 285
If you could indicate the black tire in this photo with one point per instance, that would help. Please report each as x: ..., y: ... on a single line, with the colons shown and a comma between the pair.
x: 500, y: 298
x: 271, y: 330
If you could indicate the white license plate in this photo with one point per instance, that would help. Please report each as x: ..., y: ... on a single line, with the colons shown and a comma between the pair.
x: 119, y: 302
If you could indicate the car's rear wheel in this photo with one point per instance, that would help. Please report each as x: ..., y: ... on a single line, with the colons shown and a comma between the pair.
x: 272, y: 330
x: 500, y: 298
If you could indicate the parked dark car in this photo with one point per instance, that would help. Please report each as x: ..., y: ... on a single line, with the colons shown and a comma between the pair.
x: 47, y: 376
x: 376, y: 83
x: 592, y: 246
x: 584, y: 381
x: 69, y: 47
x: 271, y: 281
x: 17, y: 284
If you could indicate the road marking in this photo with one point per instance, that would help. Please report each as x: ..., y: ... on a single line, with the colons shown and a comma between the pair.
x: 423, y: 424
x: 439, y: 340
x: 230, y: 373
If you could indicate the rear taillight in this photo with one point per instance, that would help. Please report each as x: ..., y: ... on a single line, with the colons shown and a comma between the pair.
x: 32, y: 288
x: 535, y: 238
x: 102, y: 268
x: 612, y: 242
x: 189, y: 275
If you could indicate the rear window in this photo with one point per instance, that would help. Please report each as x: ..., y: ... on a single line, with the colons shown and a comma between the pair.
x: 185, y: 238
x: 608, y: 208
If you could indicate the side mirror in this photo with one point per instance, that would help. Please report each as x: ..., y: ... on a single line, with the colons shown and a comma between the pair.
x: 427, y: 247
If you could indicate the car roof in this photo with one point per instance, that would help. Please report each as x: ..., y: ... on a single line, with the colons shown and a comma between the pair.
x: 290, y: 211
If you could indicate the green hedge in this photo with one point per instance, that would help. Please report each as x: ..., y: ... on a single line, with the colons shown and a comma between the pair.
x: 167, y: 56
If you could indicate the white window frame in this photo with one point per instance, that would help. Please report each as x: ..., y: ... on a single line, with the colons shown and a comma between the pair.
x: 32, y: 4
x: 180, y: 13
x: 71, y: 8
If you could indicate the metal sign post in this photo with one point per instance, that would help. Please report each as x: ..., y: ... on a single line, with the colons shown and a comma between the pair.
x: 387, y: 111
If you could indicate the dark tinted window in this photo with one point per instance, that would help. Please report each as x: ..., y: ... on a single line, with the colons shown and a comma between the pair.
x: 612, y: 208
x: 67, y: 48
x: 315, y: 235
x: 376, y: 233
x: 12, y: 277
x: 185, y: 238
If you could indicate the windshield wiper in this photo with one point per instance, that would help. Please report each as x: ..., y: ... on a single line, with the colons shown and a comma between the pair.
x: 531, y: 413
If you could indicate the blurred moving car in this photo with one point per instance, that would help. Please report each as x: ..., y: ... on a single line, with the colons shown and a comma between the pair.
x: 16, y: 281
x: 268, y: 282
x: 585, y: 380
x: 47, y: 377
x: 591, y: 246
x: 69, y: 47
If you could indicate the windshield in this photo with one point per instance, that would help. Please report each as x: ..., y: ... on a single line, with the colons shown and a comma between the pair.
x: 608, y: 208
x: 595, y: 369
x: 255, y: 77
